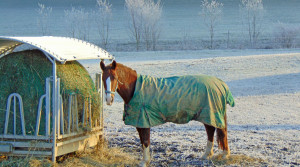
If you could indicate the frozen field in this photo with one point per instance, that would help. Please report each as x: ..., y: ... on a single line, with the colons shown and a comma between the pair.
x: 264, y: 126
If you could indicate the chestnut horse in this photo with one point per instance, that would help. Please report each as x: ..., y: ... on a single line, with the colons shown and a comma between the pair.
x: 119, y: 78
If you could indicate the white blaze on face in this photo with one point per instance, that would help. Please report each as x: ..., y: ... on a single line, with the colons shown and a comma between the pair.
x: 108, y: 95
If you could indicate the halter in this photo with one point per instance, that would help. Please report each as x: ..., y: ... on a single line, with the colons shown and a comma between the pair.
x: 113, y: 92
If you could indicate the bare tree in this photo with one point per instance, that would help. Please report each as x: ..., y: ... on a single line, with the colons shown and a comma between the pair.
x: 78, y: 23
x: 253, y: 11
x: 211, y: 12
x: 286, y: 34
x: 134, y: 8
x: 144, y: 24
x: 43, y: 18
x: 103, y: 16
x: 151, y: 29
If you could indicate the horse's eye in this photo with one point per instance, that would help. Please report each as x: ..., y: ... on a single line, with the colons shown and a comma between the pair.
x: 113, y: 76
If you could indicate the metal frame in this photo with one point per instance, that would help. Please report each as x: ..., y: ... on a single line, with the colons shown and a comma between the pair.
x: 57, y: 142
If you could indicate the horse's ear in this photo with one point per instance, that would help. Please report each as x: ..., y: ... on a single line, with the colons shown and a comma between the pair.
x: 102, y: 65
x: 114, y: 64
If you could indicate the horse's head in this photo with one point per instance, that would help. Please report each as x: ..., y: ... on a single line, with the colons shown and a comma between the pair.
x: 110, y: 80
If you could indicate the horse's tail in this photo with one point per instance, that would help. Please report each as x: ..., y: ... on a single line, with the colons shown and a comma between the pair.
x: 222, y: 133
x: 230, y: 99
x: 222, y: 136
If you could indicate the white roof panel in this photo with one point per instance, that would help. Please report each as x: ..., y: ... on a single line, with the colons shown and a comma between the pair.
x: 61, y: 48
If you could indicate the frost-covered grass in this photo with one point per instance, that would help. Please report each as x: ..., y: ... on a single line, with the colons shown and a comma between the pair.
x: 264, y: 126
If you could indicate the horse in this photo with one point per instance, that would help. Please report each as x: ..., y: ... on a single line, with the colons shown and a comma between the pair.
x: 127, y: 83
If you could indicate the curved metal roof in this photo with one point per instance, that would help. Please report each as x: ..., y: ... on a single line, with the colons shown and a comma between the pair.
x: 61, y: 49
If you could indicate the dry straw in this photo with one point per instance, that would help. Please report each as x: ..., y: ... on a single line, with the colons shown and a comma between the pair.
x: 101, y: 155
x: 237, y: 159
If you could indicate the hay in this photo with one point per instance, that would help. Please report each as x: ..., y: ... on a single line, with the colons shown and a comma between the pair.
x: 25, y: 73
x: 237, y: 159
x: 28, y: 161
x: 102, y: 155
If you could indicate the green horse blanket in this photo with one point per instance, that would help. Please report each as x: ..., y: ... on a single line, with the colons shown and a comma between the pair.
x: 178, y: 99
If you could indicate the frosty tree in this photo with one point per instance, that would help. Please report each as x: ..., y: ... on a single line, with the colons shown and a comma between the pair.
x: 253, y: 13
x: 211, y: 12
x: 78, y: 24
x: 144, y: 21
x: 103, y: 16
x: 43, y: 18
x: 286, y: 34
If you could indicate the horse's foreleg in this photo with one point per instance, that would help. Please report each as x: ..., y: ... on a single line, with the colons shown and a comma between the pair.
x: 144, y: 134
x: 210, y: 130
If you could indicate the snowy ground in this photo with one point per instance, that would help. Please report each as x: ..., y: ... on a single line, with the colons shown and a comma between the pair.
x: 264, y: 125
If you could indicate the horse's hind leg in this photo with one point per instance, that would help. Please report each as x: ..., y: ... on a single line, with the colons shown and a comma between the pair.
x: 223, y: 142
x: 144, y: 134
x: 210, y: 130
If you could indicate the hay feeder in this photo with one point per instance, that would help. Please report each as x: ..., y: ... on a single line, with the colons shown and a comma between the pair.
x: 63, y: 121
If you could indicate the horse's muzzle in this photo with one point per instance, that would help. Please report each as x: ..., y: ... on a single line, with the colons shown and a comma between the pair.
x: 109, y: 99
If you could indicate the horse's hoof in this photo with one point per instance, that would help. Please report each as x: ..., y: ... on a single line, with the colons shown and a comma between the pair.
x: 206, y: 157
x: 225, y: 154
x: 144, y: 164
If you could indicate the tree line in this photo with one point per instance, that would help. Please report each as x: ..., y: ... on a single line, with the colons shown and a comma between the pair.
x: 144, y: 17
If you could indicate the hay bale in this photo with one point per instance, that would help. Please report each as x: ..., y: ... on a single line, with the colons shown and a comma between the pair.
x: 25, y: 73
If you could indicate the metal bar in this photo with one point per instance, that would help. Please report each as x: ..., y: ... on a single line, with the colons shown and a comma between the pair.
x: 28, y: 144
x: 69, y: 113
x: 38, y: 118
x: 58, y: 106
x: 5, y: 148
x: 101, y: 97
x: 54, y: 105
x: 72, y: 134
x: 37, y: 153
x: 72, y: 112
x: 7, y: 113
x: 15, y: 115
x: 14, y: 95
x: 47, y: 122
x: 75, y: 139
x: 27, y: 137
x: 90, y: 112
x: 76, y: 112
x: 99, y: 91
x: 54, y: 110
x: 97, y: 81
x: 83, y: 113
x: 22, y: 114
x: 62, y: 127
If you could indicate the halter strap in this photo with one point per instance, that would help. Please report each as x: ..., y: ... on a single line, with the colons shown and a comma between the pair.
x: 113, y: 92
